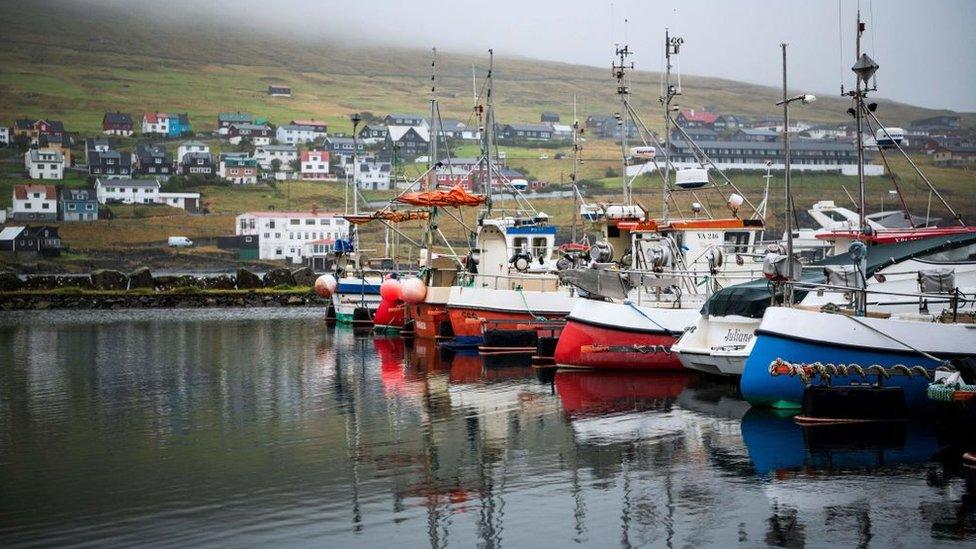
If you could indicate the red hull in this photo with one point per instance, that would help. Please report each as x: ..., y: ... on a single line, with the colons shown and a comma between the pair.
x: 389, y: 314
x: 469, y: 323
x: 588, y: 346
x: 427, y: 317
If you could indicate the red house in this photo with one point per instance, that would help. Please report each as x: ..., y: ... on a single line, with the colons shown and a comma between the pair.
x: 690, y: 118
x: 117, y: 123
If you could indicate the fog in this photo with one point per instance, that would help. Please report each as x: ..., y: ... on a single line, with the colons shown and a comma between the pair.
x: 925, y: 49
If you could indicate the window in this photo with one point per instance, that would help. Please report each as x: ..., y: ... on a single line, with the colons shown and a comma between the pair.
x: 27, y: 205
x: 267, y: 235
x: 737, y: 242
x: 271, y: 224
x: 71, y: 206
x: 294, y: 221
x: 325, y: 221
x: 89, y: 207
x: 310, y: 222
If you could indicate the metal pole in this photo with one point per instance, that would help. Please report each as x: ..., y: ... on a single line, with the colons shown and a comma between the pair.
x: 666, y: 99
x: 789, y: 190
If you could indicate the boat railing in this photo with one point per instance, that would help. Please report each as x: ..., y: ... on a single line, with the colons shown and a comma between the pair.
x: 955, y: 297
x: 526, y: 281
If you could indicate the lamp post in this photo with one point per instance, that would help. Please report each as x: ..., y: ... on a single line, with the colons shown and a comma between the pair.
x: 805, y: 98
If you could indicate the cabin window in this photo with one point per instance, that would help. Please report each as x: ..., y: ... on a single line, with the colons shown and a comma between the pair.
x: 520, y: 243
x: 539, y: 247
x: 737, y: 242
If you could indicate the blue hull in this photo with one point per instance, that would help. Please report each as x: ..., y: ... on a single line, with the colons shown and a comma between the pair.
x: 759, y: 388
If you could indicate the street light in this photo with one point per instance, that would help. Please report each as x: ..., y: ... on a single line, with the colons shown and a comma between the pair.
x: 804, y: 99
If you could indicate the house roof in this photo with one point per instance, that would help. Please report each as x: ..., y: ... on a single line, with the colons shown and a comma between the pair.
x: 281, y: 148
x: 10, y: 233
x: 292, y: 214
x: 759, y: 132
x: 397, y: 132
x: 235, y: 117
x: 36, y: 157
x: 92, y: 142
x: 118, y: 118
x: 24, y: 123
x: 531, y: 127
x: 306, y: 155
x: 252, y: 127
x: 128, y: 182
x: 197, y: 156
x: 704, y: 117
x: 405, y: 116
x: 796, y: 145
x: 193, y: 144
x: 154, y: 117
x: 21, y: 192
x: 297, y: 128
x: 77, y: 193
x: 95, y: 157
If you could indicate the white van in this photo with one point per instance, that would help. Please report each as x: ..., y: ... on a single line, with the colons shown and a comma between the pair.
x: 179, y: 242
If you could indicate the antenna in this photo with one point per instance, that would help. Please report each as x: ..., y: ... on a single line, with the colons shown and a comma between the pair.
x: 672, y: 46
x: 619, y: 71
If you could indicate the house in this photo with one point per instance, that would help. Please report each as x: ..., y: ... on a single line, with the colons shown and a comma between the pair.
x: 526, y: 132
x: 343, y: 145
x: 166, y: 124
x: 696, y: 134
x: 57, y: 142
x: 725, y: 123
x: 942, y: 122
x: 259, y: 134
x: 400, y: 119
x: 196, y: 163
x: 4, y: 136
x: 406, y: 142
x: 826, y: 131
x: 117, y: 123
x: 184, y: 201
x: 295, y: 134
x: 153, y: 159
x: 562, y: 132
x: 283, y: 235
x: 226, y: 119
x: 284, y: 154
x: 690, y: 118
x: 450, y: 176
x: 954, y: 155
x: 320, y: 127
x: 126, y: 191
x: 44, y: 164
x: 373, y: 174
x: 35, y: 202
x: 31, y: 240
x: 33, y: 129
x: 187, y: 147
x: 278, y: 90
x: 238, y: 168
x: 549, y: 116
x: 97, y: 144
x: 315, y: 165
x: 110, y: 164
x: 449, y: 127
x: 373, y: 133
x: 79, y: 204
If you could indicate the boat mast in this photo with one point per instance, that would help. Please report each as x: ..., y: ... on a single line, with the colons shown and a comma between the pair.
x: 576, y: 161
x: 489, y: 132
x: 432, y: 158
x: 672, y: 45
x: 623, y: 117
x: 355, y: 184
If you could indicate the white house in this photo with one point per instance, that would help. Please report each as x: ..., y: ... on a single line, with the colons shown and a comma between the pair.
x: 183, y: 201
x: 44, y: 163
x: 284, y: 235
x: 155, y: 122
x: 127, y: 191
x: 259, y: 134
x: 285, y: 154
x: 294, y: 134
x: 4, y: 136
x: 190, y: 147
x: 315, y: 165
x: 373, y: 175
x: 35, y: 202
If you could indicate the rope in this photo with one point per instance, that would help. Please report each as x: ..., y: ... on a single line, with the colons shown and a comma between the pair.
x: 630, y: 304
x: 907, y: 346
x: 806, y: 372
x: 642, y: 349
x: 525, y: 302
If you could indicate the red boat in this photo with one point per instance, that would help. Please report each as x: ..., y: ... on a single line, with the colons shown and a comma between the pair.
x: 427, y: 319
x: 622, y: 336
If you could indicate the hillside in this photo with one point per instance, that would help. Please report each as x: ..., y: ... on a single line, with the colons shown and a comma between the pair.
x: 64, y: 60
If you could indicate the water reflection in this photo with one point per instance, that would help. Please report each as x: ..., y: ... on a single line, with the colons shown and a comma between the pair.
x: 247, y: 427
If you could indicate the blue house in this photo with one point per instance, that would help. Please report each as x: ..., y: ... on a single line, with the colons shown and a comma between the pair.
x: 179, y: 125
x: 78, y: 204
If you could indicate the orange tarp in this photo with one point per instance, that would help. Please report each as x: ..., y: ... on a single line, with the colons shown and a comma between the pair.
x: 456, y: 196
x: 395, y: 217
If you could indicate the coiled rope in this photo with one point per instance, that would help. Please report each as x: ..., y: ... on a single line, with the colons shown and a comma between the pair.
x: 806, y: 372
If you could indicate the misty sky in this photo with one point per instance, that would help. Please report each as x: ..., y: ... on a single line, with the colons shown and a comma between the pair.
x: 926, y: 48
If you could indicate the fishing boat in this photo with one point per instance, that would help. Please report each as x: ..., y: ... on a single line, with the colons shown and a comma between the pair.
x: 853, y: 348
x: 723, y: 336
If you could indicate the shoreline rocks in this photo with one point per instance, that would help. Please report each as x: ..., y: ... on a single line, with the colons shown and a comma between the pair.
x: 18, y: 301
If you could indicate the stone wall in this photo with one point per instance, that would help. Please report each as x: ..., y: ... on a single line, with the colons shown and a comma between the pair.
x: 18, y: 301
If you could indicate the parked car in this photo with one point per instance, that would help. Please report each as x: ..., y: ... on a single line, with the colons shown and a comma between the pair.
x: 180, y: 242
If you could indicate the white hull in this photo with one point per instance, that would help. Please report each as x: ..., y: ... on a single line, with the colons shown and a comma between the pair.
x: 558, y: 302
x: 717, y: 344
x: 632, y: 318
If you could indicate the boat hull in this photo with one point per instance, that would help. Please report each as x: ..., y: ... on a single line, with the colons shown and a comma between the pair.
x: 614, y: 336
x: 808, y: 337
x: 472, y: 310
x: 428, y: 315
x: 355, y: 293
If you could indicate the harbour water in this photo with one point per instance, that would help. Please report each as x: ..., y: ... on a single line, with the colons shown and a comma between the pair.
x: 260, y: 426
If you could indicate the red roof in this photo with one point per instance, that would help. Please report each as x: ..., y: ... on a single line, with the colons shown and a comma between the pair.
x: 22, y: 191
x: 310, y: 122
x: 704, y: 117
x: 306, y: 155
x: 153, y: 117
x: 293, y: 214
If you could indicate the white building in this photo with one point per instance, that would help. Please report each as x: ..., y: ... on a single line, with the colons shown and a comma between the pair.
x: 284, y: 235
x: 44, y: 163
x: 294, y: 134
x: 155, y: 122
x: 373, y: 175
x: 4, y: 136
x: 315, y: 165
x: 35, y: 202
x: 127, y: 191
x: 183, y: 201
x: 190, y: 147
x: 285, y: 154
